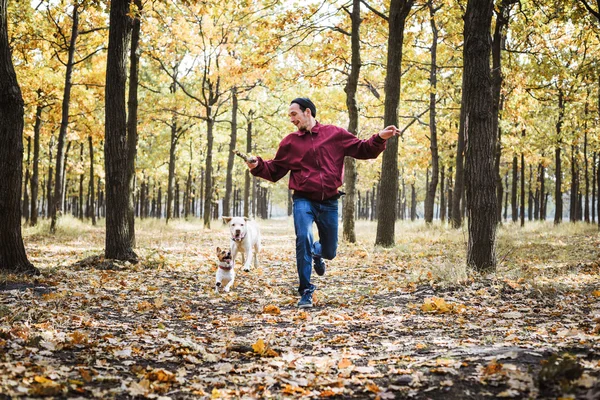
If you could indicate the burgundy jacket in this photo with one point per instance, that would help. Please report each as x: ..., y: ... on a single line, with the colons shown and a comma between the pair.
x: 316, y: 159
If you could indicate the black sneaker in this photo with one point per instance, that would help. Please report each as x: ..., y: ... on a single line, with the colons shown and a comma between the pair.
x: 306, y: 300
x: 319, y: 266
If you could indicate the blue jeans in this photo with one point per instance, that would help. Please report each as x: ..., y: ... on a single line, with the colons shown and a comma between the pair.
x: 325, y: 215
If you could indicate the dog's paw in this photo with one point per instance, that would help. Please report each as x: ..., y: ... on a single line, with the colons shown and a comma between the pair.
x: 246, y: 269
x: 226, y: 290
x: 218, y: 284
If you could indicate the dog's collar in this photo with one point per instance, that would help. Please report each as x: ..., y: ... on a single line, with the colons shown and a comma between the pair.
x: 229, y: 267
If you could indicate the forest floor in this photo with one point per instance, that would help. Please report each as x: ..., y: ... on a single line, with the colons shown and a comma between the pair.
x: 406, y: 322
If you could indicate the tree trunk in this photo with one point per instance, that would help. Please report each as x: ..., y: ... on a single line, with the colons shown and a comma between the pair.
x: 499, y: 36
x: 25, y: 205
x: 537, y: 197
x: 442, y: 194
x: 176, y: 213
x: 188, y: 191
x: 49, y: 181
x: 499, y: 183
x: 574, y: 195
x: 56, y: 207
x: 348, y: 209
x: 450, y: 193
x: 530, y: 197
x: 172, y: 156
x: 81, y: 178
x: 594, y: 156
x: 132, y: 114
x: 598, y: 191
x: 459, y: 179
x: 13, y: 257
x: 513, y: 193
x: 247, y: 178
x: 557, y: 159
x: 64, y: 176
x: 522, y: 205
x: 586, y: 202
x: 92, y: 210
x: 36, y: 162
x: 432, y: 187
x: 505, y: 197
x: 386, y: 217
x: 208, y: 167
x: 231, y: 155
x: 413, y: 202
x: 480, y: 138
x: 116, y: 152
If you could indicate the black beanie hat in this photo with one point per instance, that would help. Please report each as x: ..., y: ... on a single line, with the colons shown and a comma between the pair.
x: 306, y: 103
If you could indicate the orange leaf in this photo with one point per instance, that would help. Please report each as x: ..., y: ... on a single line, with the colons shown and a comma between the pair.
x: 344, y: 363
x: 271, y: 309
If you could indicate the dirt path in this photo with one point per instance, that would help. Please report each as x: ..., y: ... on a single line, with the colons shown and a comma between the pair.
x: 157, y: 329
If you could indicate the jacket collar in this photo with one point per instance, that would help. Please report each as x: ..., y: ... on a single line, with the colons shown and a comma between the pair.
x: 315, y: 129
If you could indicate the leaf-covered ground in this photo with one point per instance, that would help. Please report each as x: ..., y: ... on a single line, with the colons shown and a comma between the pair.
x: 407, y: 322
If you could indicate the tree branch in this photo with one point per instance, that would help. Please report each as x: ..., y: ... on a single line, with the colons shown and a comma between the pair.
x: 376, y: 12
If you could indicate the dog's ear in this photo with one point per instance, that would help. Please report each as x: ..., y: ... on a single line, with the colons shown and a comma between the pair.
x: 218, y: 250
x: 226, y: 219
x: 246, y: 219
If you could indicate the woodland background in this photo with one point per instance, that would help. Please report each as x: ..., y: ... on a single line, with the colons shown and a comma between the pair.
x: 229, y: 71
x: 117, y: 122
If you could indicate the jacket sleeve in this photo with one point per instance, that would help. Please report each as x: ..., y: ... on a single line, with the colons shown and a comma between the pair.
x: 361, y: 149
x: 275, y: 169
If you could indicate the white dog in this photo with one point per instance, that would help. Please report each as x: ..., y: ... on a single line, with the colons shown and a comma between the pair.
x: 225, y: 272
x: 245, y: 239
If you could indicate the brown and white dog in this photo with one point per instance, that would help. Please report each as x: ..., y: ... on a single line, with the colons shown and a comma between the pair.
x: 245, y: 239
x: 225, y: 272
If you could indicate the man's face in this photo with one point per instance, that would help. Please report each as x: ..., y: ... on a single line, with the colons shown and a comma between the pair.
x: 299, y: 118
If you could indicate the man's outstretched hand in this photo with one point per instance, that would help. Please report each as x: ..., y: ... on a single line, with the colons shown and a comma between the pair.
x: 388, y: 132
x: 252, y: 163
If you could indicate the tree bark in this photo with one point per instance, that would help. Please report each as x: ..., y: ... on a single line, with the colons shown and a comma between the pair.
x: 349, y: 206
x: 480, y: 138
x: 92, y: 210
x: 505, y: 197
x: 502, y: 19
x: 231, y: 155
x: 530, y: 197
x: 459, y: 179
x: 81, y: 178
x: 56, y: 207
x: 247, y: 178
x: 172, y: 153
x: 442, y: 194
x: 208, y: 191
x: 132, y: 114
x: 522, y: 203
x: 574, y: 195
x: 413, y: 202
x: 432, y: 187
x: 594, y: 156
x: 49, y: 181
x: 513, y: 193
x: 36, y: 162
x: 386, y: 217
x: 557, y: 159
x: 586, y: 211
x: 116, y: 152
x: 13, y: 257
x: 188, y: 191
x: 25, y: 205
x: 598, y: 191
